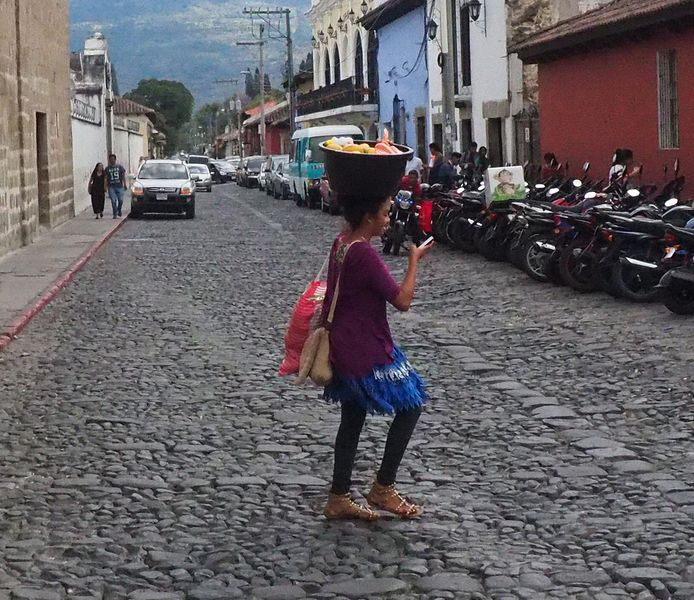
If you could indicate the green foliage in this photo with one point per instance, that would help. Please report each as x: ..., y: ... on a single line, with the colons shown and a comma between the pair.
x: 171, y: 100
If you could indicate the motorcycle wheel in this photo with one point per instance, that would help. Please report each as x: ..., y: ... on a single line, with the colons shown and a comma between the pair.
x: 516, y: 250
x: 679, y: 299
x: 634, y: 284
x: 489, y: 247
x: 461, y: 234
x: 577, y: 274
x: 534, y: 261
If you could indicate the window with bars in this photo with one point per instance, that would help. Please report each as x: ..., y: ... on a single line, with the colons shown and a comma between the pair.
x: 668, y: 106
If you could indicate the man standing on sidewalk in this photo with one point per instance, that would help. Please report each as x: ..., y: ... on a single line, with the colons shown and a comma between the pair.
x: 115, y: 180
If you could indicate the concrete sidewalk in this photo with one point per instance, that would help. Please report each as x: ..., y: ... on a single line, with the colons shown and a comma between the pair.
x: 26, y: 273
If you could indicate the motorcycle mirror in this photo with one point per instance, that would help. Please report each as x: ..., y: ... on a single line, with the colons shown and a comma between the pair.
x: 677, y: 166
x: 577, y: 183
x: 540, y: 186
x: 671, y: 202
x: 633, y: 193
x: 460, y: 190
x: 590, y: 195
x: 552, y: 191
x: 586, y: 166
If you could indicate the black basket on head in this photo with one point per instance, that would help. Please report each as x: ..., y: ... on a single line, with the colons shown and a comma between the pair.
x: 365, y: 175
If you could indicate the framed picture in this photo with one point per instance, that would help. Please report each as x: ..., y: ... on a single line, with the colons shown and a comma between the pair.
x: 504, y: 184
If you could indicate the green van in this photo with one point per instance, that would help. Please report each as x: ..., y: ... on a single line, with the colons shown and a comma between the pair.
x: 305, y: 167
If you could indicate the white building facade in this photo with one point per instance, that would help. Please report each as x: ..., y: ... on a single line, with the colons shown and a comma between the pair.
x: 344, y: 67
x: 92, y: 102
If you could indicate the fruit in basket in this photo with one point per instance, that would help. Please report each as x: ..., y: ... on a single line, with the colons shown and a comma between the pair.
x: 347, y: 144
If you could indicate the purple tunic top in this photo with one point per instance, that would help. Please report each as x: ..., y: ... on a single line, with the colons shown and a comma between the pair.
x: 360, y: 337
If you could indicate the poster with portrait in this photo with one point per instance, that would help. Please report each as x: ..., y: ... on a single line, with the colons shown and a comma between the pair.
x: 504, y: 184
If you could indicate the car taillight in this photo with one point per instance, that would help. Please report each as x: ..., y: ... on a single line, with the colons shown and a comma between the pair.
x: 670, y: 238
x: 493, y: 216
x: 606, y: 235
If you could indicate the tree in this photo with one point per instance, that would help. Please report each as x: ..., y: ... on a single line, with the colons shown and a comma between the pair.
x: 169, y: 98
x: 256, y: 82
x: 249, y: 84
x: 267, y: 85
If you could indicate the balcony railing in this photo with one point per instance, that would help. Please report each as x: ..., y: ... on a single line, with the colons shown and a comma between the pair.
x: 335, y: 95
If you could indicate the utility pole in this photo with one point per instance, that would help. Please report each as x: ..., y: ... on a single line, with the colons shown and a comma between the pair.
x: 260, y: 43
x: 447, y: 75
x: 265, y: 14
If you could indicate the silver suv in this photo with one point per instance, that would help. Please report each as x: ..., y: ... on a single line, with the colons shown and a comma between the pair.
x: 163, y: 186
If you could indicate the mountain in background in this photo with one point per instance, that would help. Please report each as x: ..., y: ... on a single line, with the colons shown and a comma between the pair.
x: 192, y: 41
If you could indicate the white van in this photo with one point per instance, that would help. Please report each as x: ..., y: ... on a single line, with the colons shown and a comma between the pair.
x: 305, y: 167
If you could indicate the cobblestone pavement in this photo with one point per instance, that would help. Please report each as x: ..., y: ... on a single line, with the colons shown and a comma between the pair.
x: 150, y: 453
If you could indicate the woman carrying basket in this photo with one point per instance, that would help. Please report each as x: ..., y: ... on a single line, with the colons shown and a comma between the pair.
x: 371, y: 374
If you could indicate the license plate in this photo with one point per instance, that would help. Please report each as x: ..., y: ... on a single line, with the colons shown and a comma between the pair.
x: 162, y: 196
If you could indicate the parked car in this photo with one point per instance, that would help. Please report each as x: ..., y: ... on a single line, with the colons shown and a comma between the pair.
x: 268, y: 168
x: 233, y: 163
x: 328, y: 200
x: 306, y: 164
x: 215, y: 171
x: 221, y: 171
x: 198, y: 159
x: 202, y: 177
x: 277, y: 180
x: 249, y: 170
x: 163, y: 186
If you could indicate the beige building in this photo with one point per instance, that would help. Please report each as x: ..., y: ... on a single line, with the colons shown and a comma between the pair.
x: 36, y: 183
x: 134, y: 135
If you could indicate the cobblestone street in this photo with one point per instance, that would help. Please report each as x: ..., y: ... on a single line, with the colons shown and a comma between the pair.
x: 149, y: 451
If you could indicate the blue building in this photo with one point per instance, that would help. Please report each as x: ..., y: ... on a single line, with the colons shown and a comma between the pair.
x: 403, y: 96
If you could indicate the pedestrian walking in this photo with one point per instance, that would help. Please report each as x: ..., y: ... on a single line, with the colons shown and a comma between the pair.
x: 415, y: 164
x: 435, y: 163
x: 115, y: 178
x: 481, y: 162
x: 370, y: 373
x: 97, y: 190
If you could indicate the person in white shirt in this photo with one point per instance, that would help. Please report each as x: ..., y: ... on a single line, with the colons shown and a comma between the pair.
x: 415, y: 164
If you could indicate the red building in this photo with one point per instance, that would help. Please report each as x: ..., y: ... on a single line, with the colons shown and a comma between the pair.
x: 276, y: 129
x: 619, y: 76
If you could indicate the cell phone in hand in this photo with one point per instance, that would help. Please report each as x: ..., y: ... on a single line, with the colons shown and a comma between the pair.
x: 427, y: 241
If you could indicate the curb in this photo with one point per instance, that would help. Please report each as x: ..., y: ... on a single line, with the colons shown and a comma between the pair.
x: 8, y: 334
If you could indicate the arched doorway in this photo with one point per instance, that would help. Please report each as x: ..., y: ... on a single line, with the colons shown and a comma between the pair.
x: 358, y: 63
x: 336, y: 64
x: 326, y: 67
x: 372, y: 65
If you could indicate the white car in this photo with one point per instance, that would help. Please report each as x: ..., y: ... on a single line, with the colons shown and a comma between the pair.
x: 202, y: 177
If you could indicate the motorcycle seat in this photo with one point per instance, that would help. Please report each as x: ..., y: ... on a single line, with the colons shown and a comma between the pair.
x: 641, y: 225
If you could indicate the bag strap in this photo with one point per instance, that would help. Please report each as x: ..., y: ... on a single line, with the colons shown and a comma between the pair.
x: 333, y: 304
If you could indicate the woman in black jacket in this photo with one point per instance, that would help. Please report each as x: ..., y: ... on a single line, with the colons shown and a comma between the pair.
x: 97, y: 190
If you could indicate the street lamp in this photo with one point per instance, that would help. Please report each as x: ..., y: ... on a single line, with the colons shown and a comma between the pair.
x: 352, y: 16
x: 475, y: 7
x: 341, y: 25
x: 331, y: 31
x: 432, y: 28
x: 364, y: 7
x: 321, y: 36
x: 314, y: 42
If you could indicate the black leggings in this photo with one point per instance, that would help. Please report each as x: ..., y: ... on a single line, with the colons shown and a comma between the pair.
x: 347, y: 440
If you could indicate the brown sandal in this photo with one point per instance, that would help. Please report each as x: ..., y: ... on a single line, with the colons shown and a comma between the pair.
x: 387, y: 498
x: 341, y: 506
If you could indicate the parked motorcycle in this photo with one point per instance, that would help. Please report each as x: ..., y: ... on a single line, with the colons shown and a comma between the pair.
x: 677, y: 284
x: 404, y: 223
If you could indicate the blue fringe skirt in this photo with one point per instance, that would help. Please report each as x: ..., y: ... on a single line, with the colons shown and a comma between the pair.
x: 387, y: 390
